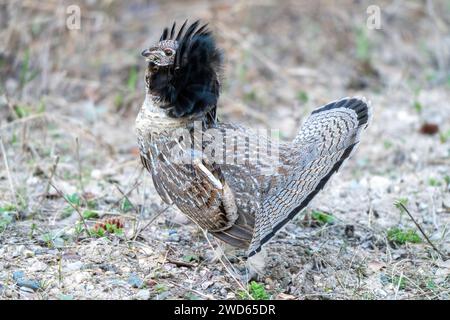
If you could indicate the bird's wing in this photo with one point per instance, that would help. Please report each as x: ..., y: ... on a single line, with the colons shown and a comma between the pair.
x: 325, y: 140
x: 146, y: 160
x: 199, y: 189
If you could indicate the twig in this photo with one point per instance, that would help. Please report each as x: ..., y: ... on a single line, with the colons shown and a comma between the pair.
x: 76, y: 208
x: 150, y: 222
x: 402, y: 206
x: 190, y: 289
x: 8, y: 172
x: 50, y: 178
x: 205, y: 234
x: 137, y: 184
x: 125, y: 195
x: 179, y: 263
x: 80, y: 175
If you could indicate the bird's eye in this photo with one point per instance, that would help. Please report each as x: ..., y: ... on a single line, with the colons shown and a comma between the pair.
x: 168, y: 52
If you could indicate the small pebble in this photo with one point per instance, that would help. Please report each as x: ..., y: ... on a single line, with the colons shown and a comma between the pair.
x: 21, y: 281
x: 28, y: 253
x: 205, y: 285
x: 38, y: 266
x: 74, y: 266
x: 135, y: 281
x: 143, y: 294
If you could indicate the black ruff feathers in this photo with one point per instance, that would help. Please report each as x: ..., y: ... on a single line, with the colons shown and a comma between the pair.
x: 190, y: 86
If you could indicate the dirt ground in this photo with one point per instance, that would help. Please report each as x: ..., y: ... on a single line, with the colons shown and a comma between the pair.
x: 69, y: 98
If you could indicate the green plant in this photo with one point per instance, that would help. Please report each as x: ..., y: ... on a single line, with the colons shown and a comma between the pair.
x: 444, y: 136
x: 417, y: 106
x: 102, y: 230
x: 160, y: 288
x: 132, y: 79
x: 362, y: 45
x: 402, y: 236
x: 191, y: 257
x: 387, y: 144
x: 114, y: 229
x: 399, y: 281
x: 257, y: 291
x: 7, y: 213
x: 322, y: 217
x: 118, y: 101
x: 26, y: 74
x: 447, y: 180
x: 302, y: 96
x: 433, y: 182
x: 21, y: 111
x: 99, y: 232
x: 126, y: 205
x: 74, y: 199
x: 79, y: 228
x: 89, y: 214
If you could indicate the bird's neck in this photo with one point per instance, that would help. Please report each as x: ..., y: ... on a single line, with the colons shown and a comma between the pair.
x: 152, y: 119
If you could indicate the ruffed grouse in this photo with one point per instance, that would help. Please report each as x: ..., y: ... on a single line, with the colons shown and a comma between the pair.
x: 241, y: 186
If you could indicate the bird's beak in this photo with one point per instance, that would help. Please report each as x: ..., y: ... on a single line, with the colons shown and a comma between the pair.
x: 146, y: 53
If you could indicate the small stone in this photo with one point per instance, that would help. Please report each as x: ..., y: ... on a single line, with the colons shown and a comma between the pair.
x: 28, y: 283
x: 38, y: 266
x: 26, y: 289
x: 350, y: 230
x: 143, y: 294
x: 18, y: 251
x: 81, y: 276
x: 173, y: 236
x: 8, y: 293
x: 231, y: 295
x: 28, y: 253
x: 205, y: 285
x: 17, y: 275
x: 74, y: 266
x: 135, y: 281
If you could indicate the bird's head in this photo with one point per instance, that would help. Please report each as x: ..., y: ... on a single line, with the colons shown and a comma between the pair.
x: 183, y: 71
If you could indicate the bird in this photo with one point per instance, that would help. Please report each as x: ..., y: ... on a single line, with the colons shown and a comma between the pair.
x: 238, y: 184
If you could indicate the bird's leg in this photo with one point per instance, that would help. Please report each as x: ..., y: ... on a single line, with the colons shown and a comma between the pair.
x: 256, y: 265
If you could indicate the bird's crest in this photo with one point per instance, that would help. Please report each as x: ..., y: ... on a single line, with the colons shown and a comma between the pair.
x: 184, y: 70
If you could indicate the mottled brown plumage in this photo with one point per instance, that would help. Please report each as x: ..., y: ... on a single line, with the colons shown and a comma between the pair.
x: 245, y: 200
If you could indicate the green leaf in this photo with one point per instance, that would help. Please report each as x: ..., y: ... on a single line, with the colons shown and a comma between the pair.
x: 191, y: 257
x: 160, y: 288
x: 400, y: 236
x: 257, y: 291
x: 362, y: 45
x: 126, y: 205
x: 433, y: 182
x: 417, y: 106
x: 21, y: 111
x: 322, y: 217
x: 6, y: 218
x: 89, y: 214
x: 132, y: 79
x: 24, y: 70
x: 302, y: 96
x: 74, y: 199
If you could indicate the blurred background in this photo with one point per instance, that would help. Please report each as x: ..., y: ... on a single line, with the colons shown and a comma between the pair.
x: 72, y: 84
